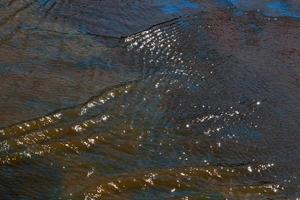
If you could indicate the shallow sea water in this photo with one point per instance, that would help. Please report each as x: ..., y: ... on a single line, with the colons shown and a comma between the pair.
x: 149, y: 99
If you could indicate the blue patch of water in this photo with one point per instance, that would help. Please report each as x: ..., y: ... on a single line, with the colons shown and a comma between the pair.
x: 83, y: 29
x: 282, y: 9
x: 47, y: 3
x: 175, y: 7
x: 235, y: 2
x: 239, y: 13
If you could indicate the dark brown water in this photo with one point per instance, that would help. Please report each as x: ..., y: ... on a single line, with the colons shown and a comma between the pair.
x: 149, y: 100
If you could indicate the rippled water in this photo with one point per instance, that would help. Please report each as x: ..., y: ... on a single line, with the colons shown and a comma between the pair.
x: 149, y: 99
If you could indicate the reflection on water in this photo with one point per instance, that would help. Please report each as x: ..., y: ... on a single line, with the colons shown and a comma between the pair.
x: 204, y: 105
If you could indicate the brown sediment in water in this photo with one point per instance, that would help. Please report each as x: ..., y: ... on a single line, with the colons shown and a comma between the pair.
x: 200, y: 106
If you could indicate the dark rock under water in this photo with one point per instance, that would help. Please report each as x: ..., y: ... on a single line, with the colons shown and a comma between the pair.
x: 149, y: 99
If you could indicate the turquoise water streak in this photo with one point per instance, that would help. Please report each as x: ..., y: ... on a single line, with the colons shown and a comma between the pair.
x: 175, y: 7
x: 284, y: 9
x: 47, y: 3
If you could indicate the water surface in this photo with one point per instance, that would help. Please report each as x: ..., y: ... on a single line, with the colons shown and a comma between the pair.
x: 149, y: 99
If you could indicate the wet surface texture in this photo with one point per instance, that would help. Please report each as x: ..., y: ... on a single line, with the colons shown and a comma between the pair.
x: 149, y: 99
